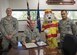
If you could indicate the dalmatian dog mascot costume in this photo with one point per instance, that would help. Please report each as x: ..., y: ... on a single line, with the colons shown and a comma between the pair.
x: 50, y: 27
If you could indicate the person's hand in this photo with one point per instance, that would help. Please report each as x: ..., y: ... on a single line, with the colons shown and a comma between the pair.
x: 49, y: 42
x: 7, y: 37
x: 46, y: 31
x: 10, y: 36
x: 23, y: 43
x: 33, y: 41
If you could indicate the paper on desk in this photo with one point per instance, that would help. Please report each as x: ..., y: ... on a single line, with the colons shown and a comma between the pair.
x: 19, y: 44
x: 30, y: 45
x: 41, y: 43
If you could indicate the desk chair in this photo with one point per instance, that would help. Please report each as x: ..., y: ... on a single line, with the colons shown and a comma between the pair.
x: 69, y: 45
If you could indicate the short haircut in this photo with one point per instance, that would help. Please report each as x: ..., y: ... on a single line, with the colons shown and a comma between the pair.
x: 64, y: 10
x: 8, y: 9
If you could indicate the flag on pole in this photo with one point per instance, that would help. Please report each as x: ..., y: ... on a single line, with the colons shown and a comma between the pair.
x: 38, y: 19
x: 28, y: 11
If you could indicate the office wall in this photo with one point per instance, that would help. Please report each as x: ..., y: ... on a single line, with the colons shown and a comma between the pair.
x: 0, y: 13
x: 3, y: 5
x: 21, y: 25
x: 21, y: 4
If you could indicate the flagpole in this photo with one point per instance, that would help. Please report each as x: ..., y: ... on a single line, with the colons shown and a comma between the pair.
x: 28, y: 11
x: 38, y: 19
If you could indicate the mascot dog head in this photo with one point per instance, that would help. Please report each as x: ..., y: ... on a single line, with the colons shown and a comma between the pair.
x: 49, y: 16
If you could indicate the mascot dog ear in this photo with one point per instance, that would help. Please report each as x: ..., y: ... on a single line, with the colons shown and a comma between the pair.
x: 48, y: 11
x: 49, y: 16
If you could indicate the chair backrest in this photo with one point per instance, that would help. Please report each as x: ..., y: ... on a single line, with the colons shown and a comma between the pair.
x: 69, y: 41
x: 70, y: 44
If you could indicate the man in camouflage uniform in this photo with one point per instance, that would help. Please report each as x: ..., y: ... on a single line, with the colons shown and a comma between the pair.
x: 67, y: 28
x: 9, y: 29
x: 31, y: 33
x: 66, y: 25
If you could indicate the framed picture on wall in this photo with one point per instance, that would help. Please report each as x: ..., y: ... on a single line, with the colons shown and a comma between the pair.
x: 60, y: 2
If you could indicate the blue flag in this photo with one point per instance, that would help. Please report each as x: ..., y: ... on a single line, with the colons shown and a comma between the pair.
x: 38, y: 19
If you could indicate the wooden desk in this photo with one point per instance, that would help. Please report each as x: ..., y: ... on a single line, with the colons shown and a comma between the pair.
x: 25, y: 51
x: 18, y: 52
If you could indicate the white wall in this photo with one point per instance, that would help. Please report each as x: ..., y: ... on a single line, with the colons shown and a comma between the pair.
x: 3, y: 5
x: 21, y: 25
x: 21, y: 4
x: 44, y: 5
x: 0, y: 12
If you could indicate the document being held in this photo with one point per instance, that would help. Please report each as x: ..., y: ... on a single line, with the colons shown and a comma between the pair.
x: 30, y: 45
x: 41, y: 43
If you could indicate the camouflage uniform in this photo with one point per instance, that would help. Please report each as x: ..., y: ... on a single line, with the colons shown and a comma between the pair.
x: 9, y: 27
x: 0, y: 31
x: 67, y: 27
x: 32, y: 35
